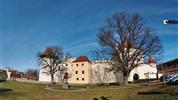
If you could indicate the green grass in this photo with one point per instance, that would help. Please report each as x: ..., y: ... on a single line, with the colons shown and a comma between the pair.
x: 28, y: 91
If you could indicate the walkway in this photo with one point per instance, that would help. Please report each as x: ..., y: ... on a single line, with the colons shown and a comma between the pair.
x: 85, y: 89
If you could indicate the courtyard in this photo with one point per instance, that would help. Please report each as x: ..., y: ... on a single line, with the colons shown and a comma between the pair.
x: 33, y: 91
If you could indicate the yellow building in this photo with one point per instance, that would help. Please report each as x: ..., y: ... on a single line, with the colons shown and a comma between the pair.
x: 81, y: 70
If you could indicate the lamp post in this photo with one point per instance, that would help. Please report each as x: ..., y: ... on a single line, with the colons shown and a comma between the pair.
x: 164, y: 78
x: 166, y: 21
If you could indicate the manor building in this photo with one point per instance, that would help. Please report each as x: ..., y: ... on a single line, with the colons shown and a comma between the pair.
x: 83, y: 71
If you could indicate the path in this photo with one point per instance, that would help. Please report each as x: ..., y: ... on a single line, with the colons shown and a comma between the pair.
x: 85, y: 89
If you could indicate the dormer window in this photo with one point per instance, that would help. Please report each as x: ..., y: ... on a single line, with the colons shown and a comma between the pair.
x: 82, y: 64
x: 76, y: 64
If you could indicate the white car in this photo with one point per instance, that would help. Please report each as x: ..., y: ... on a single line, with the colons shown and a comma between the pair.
x: 173, y: 80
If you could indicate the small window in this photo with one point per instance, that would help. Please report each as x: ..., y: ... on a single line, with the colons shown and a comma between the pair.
x: 82, y: 79
x: 77, y: 79
x: 82, y: 64
x: 66, y: 64
x: 76, y: 72
x: 76, y: 64
x: 83, y: 72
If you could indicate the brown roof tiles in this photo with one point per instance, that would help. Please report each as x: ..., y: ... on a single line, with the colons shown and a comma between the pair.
x: 82, y: 59
x: 150, y: 60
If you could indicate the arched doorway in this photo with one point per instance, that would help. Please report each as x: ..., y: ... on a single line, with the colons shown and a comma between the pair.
x: 135, y: 76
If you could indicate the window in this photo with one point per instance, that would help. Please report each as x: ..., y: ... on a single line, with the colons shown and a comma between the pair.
x: 83, y: 72
x: 76, y: 64
x: 66, y: 64
x: 76, y: 72
x: 77, y: 79
x: 82, y: 79
x: 82, y: 64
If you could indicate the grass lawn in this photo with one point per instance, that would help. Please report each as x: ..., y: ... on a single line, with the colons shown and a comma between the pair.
x: 28, y: 91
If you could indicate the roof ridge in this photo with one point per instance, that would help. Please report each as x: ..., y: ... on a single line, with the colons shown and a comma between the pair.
x: 82, y: 59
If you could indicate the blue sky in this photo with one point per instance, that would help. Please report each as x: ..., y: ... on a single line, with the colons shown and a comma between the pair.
x: 29, y: 26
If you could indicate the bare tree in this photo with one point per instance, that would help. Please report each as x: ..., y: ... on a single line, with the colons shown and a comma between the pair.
x: 32, y: 72
x: 29, y: 71
x: 60, y: 74
x: 101, y: 74
x: 127, y: 41
x: 52, y: 60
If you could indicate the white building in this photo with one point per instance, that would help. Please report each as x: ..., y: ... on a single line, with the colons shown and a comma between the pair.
x: 7, y: 71
x: 58, y: 77
x: 83, y: 71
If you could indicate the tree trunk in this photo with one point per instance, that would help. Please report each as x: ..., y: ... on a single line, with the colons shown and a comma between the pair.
x: 52, y: 78
x: 125, y: 79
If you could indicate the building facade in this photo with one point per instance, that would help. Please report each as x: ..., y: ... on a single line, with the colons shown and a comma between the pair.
x: 83, y: 71
x: 168, y: 68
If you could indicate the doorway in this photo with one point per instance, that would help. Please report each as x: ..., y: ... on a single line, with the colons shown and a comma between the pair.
x: 135, y: 77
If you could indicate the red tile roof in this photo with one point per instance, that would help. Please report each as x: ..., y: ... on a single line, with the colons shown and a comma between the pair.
x: 150, y: 60
x: 170, y: 69
x: 82, y: 59
x: 47, y: 52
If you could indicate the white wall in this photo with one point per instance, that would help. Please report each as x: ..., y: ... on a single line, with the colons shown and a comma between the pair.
x: 43, y: 77
x: 100, y: 74
x: 142, y: 70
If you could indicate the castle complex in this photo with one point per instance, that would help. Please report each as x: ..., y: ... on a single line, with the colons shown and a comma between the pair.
x: 82, y: 71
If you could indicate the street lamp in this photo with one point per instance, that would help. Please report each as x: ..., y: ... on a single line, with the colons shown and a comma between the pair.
x: 166, y: 21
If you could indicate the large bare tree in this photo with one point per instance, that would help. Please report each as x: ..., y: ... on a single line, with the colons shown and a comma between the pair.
x: 126, y: 41
x: 52, y: 60
x: 101, y: 74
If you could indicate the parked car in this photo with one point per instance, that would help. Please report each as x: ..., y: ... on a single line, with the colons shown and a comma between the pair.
x: 165, y: 78
x: 169, y: 78
x: 173, y: 80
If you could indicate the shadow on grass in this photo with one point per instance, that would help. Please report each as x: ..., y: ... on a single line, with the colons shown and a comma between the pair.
x: 157, y: 92
x: 160, y: 89
x: 149, y: 93
x: 102, y: 98
x: 4, y: 90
